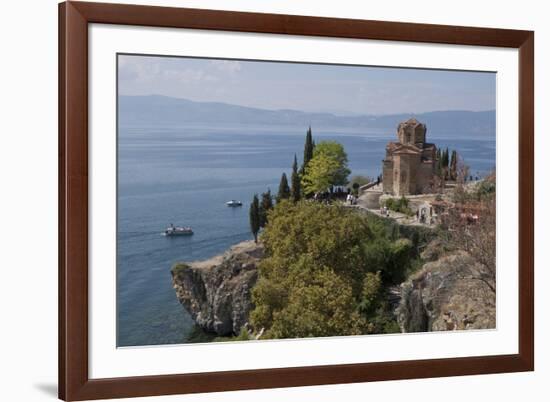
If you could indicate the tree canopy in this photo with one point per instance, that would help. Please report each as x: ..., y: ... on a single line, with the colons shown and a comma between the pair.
x: 309, y: 146
x: 360, y: 180
x: 266, y: 204
x: 254, y: 217
x: 335, y: 151
x: 453, y: 166
x: 319, y: 174
x: 328, y: 167
x: 295, y: 187
x: 315, y: 279
x: 284, y: 190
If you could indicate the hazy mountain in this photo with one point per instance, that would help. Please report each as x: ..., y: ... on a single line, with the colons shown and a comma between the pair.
x: 165, y: 111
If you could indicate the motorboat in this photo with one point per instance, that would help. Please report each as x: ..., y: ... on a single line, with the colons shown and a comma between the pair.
x: 178, y: 231
x: 234, y: 203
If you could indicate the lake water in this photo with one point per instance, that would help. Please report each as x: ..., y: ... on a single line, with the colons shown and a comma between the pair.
x: 184, y: 175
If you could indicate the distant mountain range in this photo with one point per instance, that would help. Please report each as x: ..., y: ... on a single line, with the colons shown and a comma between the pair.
x: 155, y: 110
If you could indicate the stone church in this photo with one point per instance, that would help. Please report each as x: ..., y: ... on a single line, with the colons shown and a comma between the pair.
x: 409, y: 165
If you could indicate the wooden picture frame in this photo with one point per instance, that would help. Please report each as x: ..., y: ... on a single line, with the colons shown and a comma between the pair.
x: 74, y: 381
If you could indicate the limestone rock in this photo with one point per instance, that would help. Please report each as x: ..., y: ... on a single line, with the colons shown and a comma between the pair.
x: 433, y: 251
x: 444, y: 296
x: 216, y: 292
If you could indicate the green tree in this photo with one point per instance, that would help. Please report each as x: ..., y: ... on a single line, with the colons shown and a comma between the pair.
x: 336, y: 151
x: 284, y: 190
x: 439, y: 163
x: 266, y: 204
x: 295, y: 187
x: 445, y: 164
x: 453, y: 166
x: 319, y: 174
x: 398, y: 262
x: 254, y: 217
x: 319, y: 276
x: 310, y: 283
x: 375, y: 307
x: 309, y: 146
x: 371, y: 292
x: 322, y: 306
x: 361, y: 180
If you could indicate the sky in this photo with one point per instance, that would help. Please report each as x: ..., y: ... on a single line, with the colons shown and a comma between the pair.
x: 335, y: 89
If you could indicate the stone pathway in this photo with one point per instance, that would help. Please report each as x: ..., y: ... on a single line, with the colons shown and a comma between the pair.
x: 397, y: 216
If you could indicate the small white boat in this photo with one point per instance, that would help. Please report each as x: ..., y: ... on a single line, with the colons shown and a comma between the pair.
x: 178, y: 231
x: 234, y: 203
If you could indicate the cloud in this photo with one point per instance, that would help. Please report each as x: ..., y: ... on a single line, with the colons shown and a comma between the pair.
x: 138, y: 69
x: 188, y: 75
x: 156, y: 70
x: 229, y: 66
x: 303, y: 86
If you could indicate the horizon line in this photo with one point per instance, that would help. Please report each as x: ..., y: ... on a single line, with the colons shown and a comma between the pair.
x: 350, y: 114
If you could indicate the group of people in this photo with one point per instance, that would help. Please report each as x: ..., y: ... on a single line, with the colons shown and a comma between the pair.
x: 351, y: 199
x: 334, y: 194
x: 327, y: 197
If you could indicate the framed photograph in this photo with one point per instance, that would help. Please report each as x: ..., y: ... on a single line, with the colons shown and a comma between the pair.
x: 260, y: 200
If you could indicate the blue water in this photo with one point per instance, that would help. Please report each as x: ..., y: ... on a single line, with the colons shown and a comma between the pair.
x: 184, y: 175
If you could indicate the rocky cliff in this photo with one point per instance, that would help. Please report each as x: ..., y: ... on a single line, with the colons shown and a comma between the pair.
x: 445, y: 295
x: 216, y: 292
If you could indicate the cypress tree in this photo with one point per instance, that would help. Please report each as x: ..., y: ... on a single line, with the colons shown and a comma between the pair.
x: 308, y: 149
x: 438, y: 162
x: 265, y: 205
x: 284, y: 190
x: 453, y: 165
x: 445, y: 163
x: 295, y: 188
x: 254, y: 215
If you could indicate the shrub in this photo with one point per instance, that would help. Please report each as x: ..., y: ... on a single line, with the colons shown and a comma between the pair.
x: 358, y: 181
x: 179, y: 267
x: 485, y: 189
x: 372, y: 286
x: 399, y: 205
x: 243, y: 336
